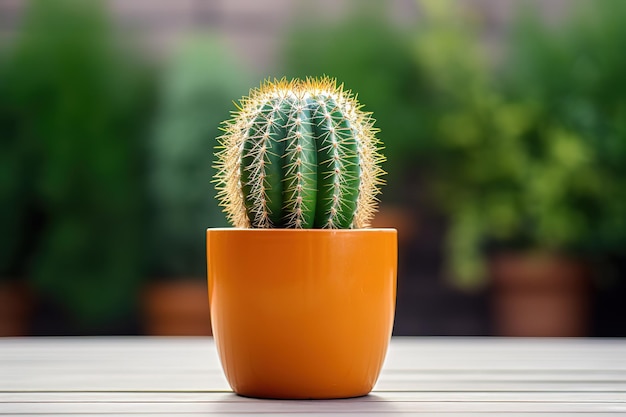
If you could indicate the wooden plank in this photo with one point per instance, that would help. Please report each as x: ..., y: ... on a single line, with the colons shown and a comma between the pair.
x: 223, y: 397
x: 182, y: 376
x: 507, y: 354
x: 108, y: 364
x: 88, y: 380
x: 191, y: 364
x: 424, y: 354
x: 327, y: 407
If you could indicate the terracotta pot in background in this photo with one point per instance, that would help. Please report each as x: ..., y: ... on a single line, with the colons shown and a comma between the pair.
x: 543, y: 295
x: 404, y: 220
x: 177, y: 308
x: 16, y: 306
x: 302, y: 313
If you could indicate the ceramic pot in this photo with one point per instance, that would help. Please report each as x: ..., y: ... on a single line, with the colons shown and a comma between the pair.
x: 302, y: 313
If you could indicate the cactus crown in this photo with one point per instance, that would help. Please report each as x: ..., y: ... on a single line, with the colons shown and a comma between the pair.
x: 299, y: 154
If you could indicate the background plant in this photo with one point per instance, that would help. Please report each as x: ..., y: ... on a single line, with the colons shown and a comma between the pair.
x: 79, y: 105
x: 197, y: 87
x: 16, y: 187
x: 473, y: 163
x: 572, y: 74
x: 521, y: 156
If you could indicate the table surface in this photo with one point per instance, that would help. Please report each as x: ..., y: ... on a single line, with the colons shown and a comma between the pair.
x: 422, y: 376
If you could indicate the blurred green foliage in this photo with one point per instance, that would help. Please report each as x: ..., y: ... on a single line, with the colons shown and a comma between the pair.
x: 78, y: 105
x: 197, y: 90
x: 530, y: 153
x: 473, y: 153
x: 16, y: 185
x: 573, y: 74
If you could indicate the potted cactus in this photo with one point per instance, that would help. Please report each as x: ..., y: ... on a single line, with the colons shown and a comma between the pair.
x: 301, y: 292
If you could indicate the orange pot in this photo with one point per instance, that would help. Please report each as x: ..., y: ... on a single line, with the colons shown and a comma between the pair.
x: 302, y: 313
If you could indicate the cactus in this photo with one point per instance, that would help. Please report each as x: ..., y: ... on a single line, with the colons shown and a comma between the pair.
x: 299, y: 154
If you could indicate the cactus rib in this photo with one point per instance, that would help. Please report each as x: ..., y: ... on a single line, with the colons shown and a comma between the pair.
x: 338, y: 166
x: 261, y: 168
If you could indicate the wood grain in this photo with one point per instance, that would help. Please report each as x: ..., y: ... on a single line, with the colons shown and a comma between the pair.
x: 422, y: 376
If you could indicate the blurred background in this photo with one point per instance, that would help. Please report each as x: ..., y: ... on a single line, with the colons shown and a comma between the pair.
x: 504, y: 124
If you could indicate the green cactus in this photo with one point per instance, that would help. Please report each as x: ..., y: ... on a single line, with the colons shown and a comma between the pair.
x: 299, y: 154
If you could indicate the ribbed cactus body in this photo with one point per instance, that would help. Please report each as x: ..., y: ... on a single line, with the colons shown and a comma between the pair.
x: 299, y: 154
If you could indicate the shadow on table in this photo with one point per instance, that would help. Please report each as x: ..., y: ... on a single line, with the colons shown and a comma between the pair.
x: 233, y: 403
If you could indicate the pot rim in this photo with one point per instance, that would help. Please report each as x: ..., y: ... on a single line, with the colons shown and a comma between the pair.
x: 315, y: 231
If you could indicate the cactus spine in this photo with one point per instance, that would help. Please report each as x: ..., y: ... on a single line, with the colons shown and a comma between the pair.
x: 299, y: 154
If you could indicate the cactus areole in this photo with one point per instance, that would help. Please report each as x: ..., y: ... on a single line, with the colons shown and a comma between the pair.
x: 299, y: 154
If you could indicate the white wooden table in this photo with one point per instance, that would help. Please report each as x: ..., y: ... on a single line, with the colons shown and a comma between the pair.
x: 422, y: 376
